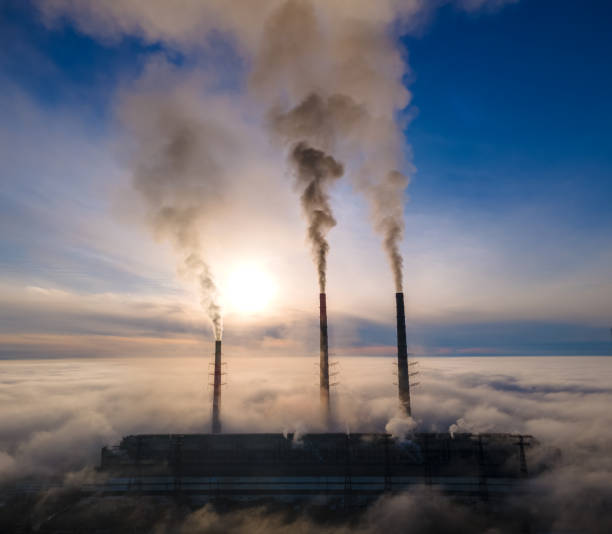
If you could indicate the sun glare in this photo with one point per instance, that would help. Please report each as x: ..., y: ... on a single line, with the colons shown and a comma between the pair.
x: 249, y: 289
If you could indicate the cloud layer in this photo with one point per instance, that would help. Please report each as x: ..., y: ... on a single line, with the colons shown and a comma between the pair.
x: 563, y: 403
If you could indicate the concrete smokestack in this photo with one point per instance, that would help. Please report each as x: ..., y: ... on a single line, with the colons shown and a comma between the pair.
x: 216, y: 409
x: 403, y: 378
x: 324, y: 361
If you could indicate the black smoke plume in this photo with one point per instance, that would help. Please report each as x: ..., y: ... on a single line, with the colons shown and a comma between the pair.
x: 315, y: 171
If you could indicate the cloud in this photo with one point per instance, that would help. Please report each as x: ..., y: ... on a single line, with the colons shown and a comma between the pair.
x: 56, y: 415
x: 47, y: 431
x: 42, y: 322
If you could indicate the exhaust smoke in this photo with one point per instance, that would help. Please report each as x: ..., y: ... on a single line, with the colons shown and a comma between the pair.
x: 387, y: 202
x: 178, y: 162
x: 333, y: 99
x: 315, y: 170
x: 332, y: 78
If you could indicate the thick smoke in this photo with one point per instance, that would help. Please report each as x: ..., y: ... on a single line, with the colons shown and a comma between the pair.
x: 315, y: 170
x: 340, y: 79
x: 388, y: 211
x: 315, y: 121
x: 296, y: 48
x: 179, y: 170
x: 339, y: 51
x: 322, y: 121
x: 337, y: 123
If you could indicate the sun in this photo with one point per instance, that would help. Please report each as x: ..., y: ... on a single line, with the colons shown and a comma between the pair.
x: 250, y: 288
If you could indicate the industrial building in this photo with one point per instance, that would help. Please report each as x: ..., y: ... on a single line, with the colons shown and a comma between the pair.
x: 351, y: 468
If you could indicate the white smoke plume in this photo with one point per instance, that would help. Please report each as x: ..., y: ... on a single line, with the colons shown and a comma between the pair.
x: 400, y: 426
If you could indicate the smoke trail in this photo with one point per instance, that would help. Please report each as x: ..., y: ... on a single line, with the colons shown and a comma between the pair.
x: 315, y: 121
x: 178, y: 169
x: 336, y: 123
x: 335, y: 64
x: 315, y: 170
x: 387, y: 205
x: 296, y: 48
x: 342, y: 86
x: 208, y: 290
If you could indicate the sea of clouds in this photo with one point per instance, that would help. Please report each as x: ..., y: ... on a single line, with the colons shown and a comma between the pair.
x: 55, y: 416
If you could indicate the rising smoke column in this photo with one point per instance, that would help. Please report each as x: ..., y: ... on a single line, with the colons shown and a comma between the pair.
x: 387, y: 205
x: 333, y: 80
x: 178, y: 169
x: 298, y: 47
x: 330, y: 48
x: 315, y: 121
x: 208, y: 291
x: 315, y: 171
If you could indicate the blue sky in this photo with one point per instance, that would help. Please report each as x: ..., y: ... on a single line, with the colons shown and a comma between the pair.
x: 514, y: 105
x: 508, y: 214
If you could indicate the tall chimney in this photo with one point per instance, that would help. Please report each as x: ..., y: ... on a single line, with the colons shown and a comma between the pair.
x: 216, y: 408
x: 324, y: 361
x: 403, y: 379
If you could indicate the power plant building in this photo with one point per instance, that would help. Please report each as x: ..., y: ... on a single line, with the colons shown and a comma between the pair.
x: 355, y: 468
